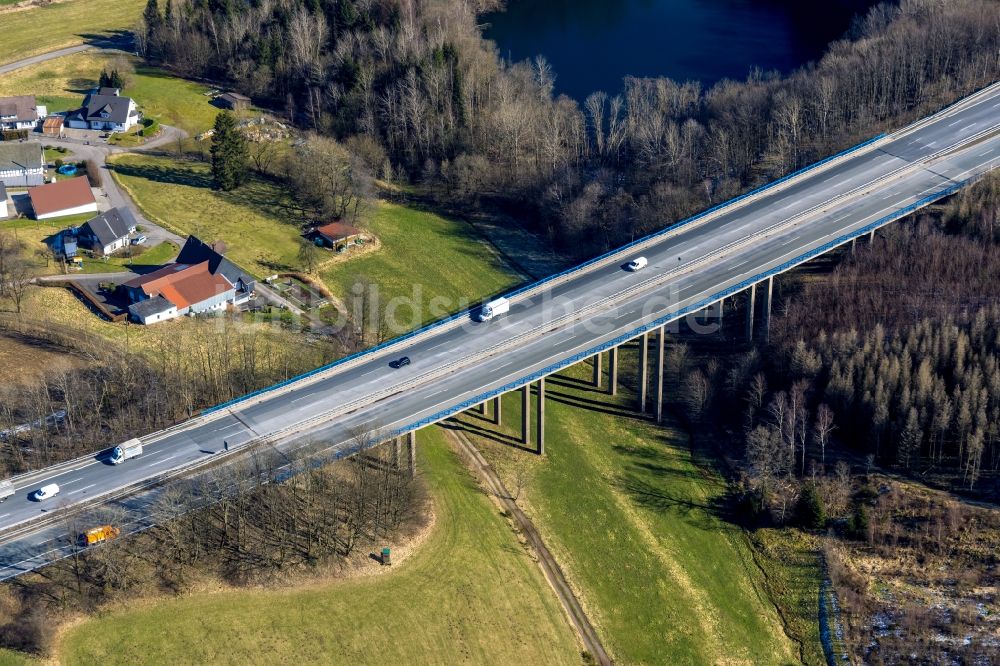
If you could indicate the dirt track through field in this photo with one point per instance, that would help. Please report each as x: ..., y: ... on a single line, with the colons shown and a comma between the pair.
x: 550, y: 568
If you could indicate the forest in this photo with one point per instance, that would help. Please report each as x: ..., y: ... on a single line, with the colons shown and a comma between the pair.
x: 426, y: 100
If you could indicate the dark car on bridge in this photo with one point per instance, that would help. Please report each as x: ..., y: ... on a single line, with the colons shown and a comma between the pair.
x: 400, y: 362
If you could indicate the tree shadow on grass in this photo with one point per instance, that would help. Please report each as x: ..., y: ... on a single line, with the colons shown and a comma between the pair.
x: 164, y: 174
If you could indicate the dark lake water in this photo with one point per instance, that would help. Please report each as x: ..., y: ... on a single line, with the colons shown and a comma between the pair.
x: 593, y: 44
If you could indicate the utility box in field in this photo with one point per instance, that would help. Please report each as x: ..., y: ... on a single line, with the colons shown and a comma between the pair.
x: 386, y: 557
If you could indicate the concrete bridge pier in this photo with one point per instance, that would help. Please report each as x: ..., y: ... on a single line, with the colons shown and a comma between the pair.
x: 768, y: 296
x: 658, y: 397
x: 526, y: 414
x: 540, y: 421
x: 397, y: 453
x: 497, y: 412
x: 871, y: 236
x: 643, y: 370
x: 751, y: 298
x: 597, y: 370
x: 613, y: 371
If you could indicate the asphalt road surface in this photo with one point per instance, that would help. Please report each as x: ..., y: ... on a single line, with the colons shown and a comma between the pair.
x: 454, y: 366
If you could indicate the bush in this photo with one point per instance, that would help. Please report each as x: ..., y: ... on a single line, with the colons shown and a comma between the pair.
x: 150, y: 127
x: 857, y: 526
x: 59, y: 163
x: 810, y: 512
x: 14, y: 135
x: 93, y: 173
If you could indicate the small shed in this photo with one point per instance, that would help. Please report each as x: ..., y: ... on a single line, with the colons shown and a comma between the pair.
x: 329, y: 235
x: 234, y: 101
x: 52, y: 126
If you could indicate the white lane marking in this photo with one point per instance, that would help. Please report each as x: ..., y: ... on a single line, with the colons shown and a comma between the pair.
x: 4, y: 515
x: 80, y: 490
x: 168, y: 458
x: 305, y: 397
x: 66, y: 483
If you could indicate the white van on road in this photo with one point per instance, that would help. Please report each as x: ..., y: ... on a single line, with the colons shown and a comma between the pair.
x: 636, y: 264
x: 47, y: 491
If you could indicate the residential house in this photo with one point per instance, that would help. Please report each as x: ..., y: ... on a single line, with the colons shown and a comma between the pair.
x: 176, y: 290
x: 20, y: 112
x: 66, y: 197
x: 22, y: 163
x: 105, y: 112
x: 233, y: 101
x: 107, y: 91
x: 4, y: 214
x: 329, y: 235
x: 196, y: 251
x: 108, y: 232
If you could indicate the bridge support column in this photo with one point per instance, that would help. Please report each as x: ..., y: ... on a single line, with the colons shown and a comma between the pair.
x: 540, y: 422
x: 658, y: 397
x: 768, y: 295
x: 613, y: 371
x: 497, y: 412
x: 525, y: 414
x: 854, y: 244
x: 411, y: 445
x: 751, y: 298
x: 597, y: 369
x: 397, y: 453
x: 871, y: 236
x: 643, y: 371
x: 721, y: 311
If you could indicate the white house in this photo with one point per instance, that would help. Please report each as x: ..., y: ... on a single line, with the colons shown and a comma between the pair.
x: 4, y: 214
x: 67, y: 197
x: 21, y: 164
x: 175, y: 290
x: 105, y: 112
x: 108, y: 232
x: 20, y: 112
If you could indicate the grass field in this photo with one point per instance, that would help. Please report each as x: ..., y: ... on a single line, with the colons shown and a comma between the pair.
x: 254, y: 220
x: 641, y: 531
x: 61, y: 84
x: 443, y: 257
x: 11, y: 658
x: 60, y: 24
x: 469, y: 594
x: 423, y: 257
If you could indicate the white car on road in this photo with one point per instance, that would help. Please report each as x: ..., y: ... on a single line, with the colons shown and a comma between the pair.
x: 47, y: 491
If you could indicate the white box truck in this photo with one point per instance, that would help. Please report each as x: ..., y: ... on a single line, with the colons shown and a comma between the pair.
x: 494, y: 308
x: 130, y: 449
x: 6, y: 489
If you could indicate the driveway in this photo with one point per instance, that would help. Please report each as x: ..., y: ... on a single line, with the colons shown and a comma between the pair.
x: 98, y: 151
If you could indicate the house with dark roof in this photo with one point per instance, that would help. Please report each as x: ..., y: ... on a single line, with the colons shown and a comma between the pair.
x: 196, y: 251
x: 20, y: 112
x: 329, y: 235
x: 109, y: 91
x: 176, y: 290
x: 108, y: 232
x: 72, y: 196
x: 22, y: 164
x: 113, y: 113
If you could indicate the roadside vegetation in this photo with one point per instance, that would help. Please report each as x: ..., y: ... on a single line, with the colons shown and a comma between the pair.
x: 48, y: 27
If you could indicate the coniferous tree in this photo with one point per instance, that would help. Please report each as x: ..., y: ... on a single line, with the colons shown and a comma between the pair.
x: 229, y: 154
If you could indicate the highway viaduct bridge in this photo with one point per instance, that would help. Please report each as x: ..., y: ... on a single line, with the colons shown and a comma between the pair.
x: 584, y: 313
